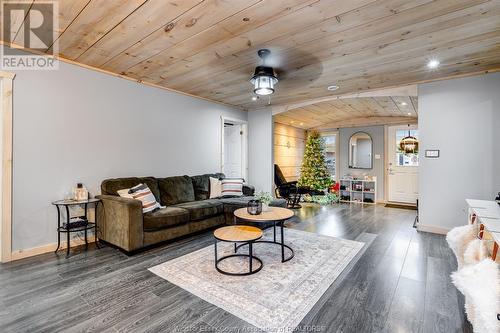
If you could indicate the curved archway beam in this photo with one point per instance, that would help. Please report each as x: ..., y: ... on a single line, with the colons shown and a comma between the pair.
x: 390, y: 92
x: 367, y: 121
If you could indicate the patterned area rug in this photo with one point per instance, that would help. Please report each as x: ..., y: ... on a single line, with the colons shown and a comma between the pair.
x: 278, y: 297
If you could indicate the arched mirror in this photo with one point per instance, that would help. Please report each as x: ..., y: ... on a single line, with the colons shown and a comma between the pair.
x: 360, y: 151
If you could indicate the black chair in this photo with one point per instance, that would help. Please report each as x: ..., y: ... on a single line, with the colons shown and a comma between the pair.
x: 287, y: 190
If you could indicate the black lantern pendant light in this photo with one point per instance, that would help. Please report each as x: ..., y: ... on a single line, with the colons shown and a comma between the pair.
x: 264, y: 78
x: 409, y: 144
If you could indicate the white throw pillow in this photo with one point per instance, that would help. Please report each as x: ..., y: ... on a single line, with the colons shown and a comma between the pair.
x: 143, y: 193
x: 232, y: 187
x: 124, y: 193
x: 480, y: 284
x: 215, y: 188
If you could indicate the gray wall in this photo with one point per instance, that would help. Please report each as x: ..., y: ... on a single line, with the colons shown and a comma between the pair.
x: 77, y: 125
x: 260, y: 149
x: 461, y: 118
x: 377, y: 134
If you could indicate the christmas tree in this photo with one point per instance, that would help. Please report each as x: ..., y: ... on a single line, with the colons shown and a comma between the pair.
x: 314, y: 173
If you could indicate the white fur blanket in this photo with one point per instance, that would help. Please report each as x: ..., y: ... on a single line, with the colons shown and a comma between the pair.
x: 480, y: 284
x: 459, y: 238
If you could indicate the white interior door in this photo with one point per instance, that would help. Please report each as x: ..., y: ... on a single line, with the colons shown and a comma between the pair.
x: 402, y: 168
x: 233, y: 144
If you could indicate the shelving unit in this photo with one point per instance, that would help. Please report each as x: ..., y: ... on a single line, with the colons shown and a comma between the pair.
x: 358, y: 191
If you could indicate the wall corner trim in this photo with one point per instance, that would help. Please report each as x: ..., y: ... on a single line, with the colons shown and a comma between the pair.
x: 6, y: 189
x: 433, y: 229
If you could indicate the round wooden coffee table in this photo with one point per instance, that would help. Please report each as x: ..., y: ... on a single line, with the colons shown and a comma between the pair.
x: 238, y: 234
x: 277, y: 216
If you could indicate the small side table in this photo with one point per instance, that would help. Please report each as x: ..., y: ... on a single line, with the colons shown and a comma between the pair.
x: 238, y: 234
x: 75, y: 223
x: 278, y: 216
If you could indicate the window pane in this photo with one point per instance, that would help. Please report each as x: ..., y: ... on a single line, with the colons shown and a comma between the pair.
x: 330, y: 145
x: 403, y: 159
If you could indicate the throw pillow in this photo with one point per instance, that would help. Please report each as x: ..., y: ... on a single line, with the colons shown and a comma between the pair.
x: 143, y: 193
x: 232, y: 187
x: 124, y: 193
x: 215, y: 188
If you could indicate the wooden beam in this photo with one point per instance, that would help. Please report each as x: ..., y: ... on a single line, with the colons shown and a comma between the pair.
x: 367, y: 121
x: 6, y: 123
x: 410, y: 90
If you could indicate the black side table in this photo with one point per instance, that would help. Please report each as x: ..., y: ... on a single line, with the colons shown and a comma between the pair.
x: 75, y: 223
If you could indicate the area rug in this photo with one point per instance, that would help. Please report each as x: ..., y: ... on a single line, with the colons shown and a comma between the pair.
x: 278, y: 297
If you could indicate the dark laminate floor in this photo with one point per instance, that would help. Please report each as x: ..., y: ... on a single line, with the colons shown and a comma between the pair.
x: 399, y: 284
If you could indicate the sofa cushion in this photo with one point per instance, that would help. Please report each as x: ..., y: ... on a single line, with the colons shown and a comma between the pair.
x: 201, y: 185
x: 176, y: 190
x: 112, y: 186
x: 165, y: 218
x: 230, y: 204
x: 199, y: 210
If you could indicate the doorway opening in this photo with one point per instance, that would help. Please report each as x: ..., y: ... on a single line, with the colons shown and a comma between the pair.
x: 234, y: 148
x: 402, y: 167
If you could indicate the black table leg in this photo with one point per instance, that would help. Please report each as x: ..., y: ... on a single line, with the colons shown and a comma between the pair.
x: 274, y: 231
x: 281, y: 225
x: 85, y: 232
x: 215, y: 251
x: 95, y: 227
x: 68, y: 245
x: 58, y: 231
x: 282, y: 243
x: 86, y: 241
x: 250, y: 255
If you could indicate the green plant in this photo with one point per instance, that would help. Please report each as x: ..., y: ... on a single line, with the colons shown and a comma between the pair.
x: 264, y: 197
x: 314, y: 173
x: 327, y: 199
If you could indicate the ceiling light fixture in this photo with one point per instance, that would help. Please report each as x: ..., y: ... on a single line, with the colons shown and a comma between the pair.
x: 264, y: 78
x: 404, y: 103
x: 254, y: 98
x: 333, y: 87
x: 433, y: 64
x: 409, y: 113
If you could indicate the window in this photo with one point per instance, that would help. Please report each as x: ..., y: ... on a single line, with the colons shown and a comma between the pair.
x: 330, y: 152
x: 403, y: 159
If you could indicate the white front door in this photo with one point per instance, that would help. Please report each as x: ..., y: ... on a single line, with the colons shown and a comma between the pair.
x: 233, y: 151
x: 402, y: 168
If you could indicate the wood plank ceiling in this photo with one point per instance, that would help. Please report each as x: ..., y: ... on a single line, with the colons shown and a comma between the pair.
x: 208, y: 48
x: 351, y: 112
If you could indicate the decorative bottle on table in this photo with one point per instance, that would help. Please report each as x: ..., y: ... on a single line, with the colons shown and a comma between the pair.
x: 80, y: 192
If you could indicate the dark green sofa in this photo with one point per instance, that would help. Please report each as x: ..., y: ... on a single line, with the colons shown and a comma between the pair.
x: 188, y: 210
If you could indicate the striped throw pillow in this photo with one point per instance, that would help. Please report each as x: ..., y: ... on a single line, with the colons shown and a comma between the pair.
x: 143, y: 193
x: 232, y: 187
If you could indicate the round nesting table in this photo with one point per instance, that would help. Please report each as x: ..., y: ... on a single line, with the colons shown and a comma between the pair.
x: 277, y: 216
x: 238, y: 234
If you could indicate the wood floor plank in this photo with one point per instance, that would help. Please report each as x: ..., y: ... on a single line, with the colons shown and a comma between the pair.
x: 400, y: 283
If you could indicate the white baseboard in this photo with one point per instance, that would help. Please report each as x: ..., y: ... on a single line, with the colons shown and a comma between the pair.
x: 21, y: 254
x: 432, y: 229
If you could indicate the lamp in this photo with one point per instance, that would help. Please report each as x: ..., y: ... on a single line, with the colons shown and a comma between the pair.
x: 264, y: 77
x: 409, y: 144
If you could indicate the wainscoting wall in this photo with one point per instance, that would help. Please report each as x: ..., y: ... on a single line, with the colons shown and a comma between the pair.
x: 289, y: 144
